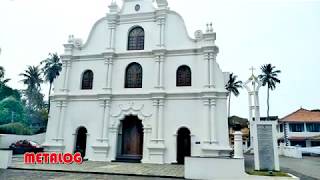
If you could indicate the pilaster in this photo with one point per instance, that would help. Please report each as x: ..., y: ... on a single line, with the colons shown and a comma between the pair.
x: 108, y: 56
x: 62, y: 106
x: 113, y: 18
x: 156, y: 146
x: 159, y: 56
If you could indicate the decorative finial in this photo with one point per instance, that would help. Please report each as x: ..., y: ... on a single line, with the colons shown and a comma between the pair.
x: 71, y: 38
x: 207, y: 27
x: 211, y: 28
x: 113, y: 7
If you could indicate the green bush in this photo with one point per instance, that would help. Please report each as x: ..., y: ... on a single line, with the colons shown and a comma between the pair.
x: 15, y: 128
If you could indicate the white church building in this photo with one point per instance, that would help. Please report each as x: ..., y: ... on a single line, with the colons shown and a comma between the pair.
x: 140, y: 90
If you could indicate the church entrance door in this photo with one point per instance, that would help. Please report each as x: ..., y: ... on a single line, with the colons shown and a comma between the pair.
x: 130, y: 139
x: 81, y: 141
x: 183, y: 144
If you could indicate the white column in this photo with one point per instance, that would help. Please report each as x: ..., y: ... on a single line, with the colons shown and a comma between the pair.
x: 156, y: 119
x: 212, y: 121
x: 59, y: 119
x: 110, y: 67
x: 238, y: 147
x: 207, y: 71
x: 62, y: 120
x: 66, y: 66
x: 112, y: 29
x: 161, y: 73
x: 257, y: 107
x: 207, y: 120
x: 157, y: 81
x: 211, y: 59
x: 106, y: 120
x: 107, y: 73
x: 160, y: 120
x: 146, y: 141
x: 162, y: 22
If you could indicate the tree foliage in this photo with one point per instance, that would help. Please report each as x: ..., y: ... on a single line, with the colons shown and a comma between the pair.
x: 51, y: 70
x: 11, y: 110
x: 32, y: 79
x: 233, y: 86
x: 269, y: 77
x: 3, y: 80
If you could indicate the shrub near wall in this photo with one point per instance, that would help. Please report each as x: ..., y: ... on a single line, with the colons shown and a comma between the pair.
x: 15, y: 128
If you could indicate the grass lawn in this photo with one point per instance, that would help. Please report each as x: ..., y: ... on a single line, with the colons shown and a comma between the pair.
x: 268, y: 173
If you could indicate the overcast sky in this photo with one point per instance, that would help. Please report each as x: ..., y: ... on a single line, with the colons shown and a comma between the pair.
x: 285, y: 33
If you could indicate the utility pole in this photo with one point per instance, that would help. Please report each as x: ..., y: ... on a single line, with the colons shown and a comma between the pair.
x: 12, y: 115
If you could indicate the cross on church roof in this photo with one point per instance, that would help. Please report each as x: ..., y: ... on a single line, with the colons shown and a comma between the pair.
x: 252, y: 70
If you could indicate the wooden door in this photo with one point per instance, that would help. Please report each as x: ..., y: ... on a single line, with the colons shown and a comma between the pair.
x: 183, y: 145
x: 132, y: 139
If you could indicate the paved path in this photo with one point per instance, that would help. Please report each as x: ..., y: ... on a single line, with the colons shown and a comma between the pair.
x: 152, y: 170
x: 12, y: 174
x: 101, y: 170
x: 307, y: 168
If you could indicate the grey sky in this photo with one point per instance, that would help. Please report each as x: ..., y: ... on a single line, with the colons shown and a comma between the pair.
x: 285, y: 33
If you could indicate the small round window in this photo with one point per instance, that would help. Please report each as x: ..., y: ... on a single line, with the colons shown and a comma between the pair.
x: 137, y: 7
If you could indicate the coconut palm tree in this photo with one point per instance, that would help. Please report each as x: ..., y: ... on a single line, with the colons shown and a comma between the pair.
x: 269, y: 77
x: 32, y: 78
x: 232, y: 87
x: 51, y: 70
x: 3, y: 81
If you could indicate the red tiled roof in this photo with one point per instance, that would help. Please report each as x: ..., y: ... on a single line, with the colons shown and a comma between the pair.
x: 302, y: 115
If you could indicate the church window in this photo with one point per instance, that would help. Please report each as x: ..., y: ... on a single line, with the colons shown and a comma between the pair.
x: 133, y: 77
x: 136, y: 39
x: 184, y: 76
x: 87, y: 80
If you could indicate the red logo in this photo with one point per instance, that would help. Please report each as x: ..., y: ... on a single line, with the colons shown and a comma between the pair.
x: 52, y: 158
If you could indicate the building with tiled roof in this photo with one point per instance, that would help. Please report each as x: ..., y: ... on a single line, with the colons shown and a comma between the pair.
x: 301, y: 127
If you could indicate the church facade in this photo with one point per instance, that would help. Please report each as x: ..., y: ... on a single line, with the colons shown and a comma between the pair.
x: 140, y: 90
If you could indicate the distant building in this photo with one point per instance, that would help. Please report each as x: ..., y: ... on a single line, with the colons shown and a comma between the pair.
x: 301, y: 128
x: 244, y: 124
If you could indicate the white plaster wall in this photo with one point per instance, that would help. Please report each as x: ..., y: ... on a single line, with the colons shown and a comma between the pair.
x: 196, y: 64
x: 78, y: 68
x: 197, y: 168
x: 7, y: 139
x: 97, y: 39
x: 177, y: 36
x: 183, y: 113
x: 6, y: 158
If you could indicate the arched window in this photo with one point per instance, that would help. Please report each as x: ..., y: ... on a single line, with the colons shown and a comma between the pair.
x: 136, y: 39
x: 87, y: 80
x: 133, y: 77
x: 184, y: 76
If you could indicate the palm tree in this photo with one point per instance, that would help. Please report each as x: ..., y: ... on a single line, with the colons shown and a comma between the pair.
x: 269, y: 76
x: 51, y: 69
x: 3, y: 81
x: 32, y: 78
x: 232, y: 87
